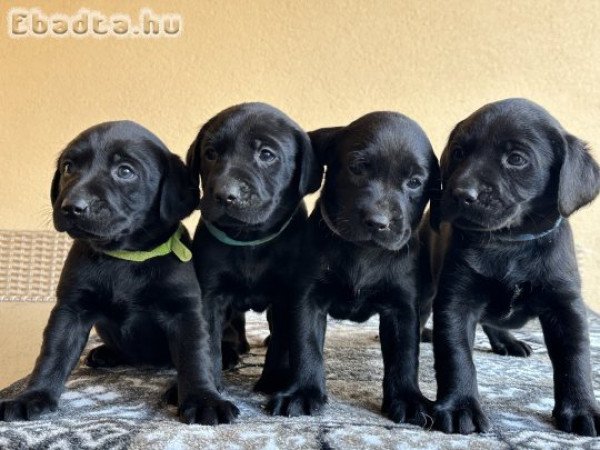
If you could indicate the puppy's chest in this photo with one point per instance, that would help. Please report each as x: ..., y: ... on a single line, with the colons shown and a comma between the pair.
x: 356, y: 288
x: 253, y: 282
x: 509, y: 267
x: 514, y: 278
x: 119, y: 293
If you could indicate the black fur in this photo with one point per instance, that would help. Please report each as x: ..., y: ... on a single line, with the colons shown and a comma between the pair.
x: 381, y: 171
x: 510, y: 170
x: 255, y: 166
x: 117, y: 187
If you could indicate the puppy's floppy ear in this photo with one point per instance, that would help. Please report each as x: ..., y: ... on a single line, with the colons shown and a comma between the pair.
x: 193, y: 156
x: 435, y: 207
x: 179, y: 196
x: 322, y: 141
x: 579, y: 180
x: 192, y: 160
x: 435, y: 193
x: 311, y: 172
x: 55, y: 186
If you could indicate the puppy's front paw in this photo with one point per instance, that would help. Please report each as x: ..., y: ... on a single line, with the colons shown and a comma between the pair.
x: 411, y: 408
x: 463, y: 415
x: 298, y: 401
x: 207, y: 408
x: 27, y: 406
x: 512, y: 347
x: 584, y: 420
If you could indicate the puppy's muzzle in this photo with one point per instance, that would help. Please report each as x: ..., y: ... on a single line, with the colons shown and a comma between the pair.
x: 83, y: 211
x: 232, y: 194
x: 470, y: 196
x: 376, y: 221
x: 75, y: 207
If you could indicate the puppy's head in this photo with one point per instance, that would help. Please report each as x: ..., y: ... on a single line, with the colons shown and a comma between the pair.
x: 118, y: 186
x: 255, y: 164
x: 511, y: 164
x: 381, y: 171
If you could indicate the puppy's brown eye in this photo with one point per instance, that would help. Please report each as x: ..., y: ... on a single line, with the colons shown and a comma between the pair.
x: 414, y: 183
x: 211, y: 154
x: 125, y: 172
x: 516, y: 160
x: 266, y: 155
x: 67, y: 167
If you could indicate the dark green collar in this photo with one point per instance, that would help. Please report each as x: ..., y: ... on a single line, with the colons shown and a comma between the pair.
x: 531, y: 237
x: 172, y: 245
x: 227, y: 240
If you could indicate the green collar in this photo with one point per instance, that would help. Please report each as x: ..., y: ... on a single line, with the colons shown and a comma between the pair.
x: 225, y: 239
x: 173, y: 245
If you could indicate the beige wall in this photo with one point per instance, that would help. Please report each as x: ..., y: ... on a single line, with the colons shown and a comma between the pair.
x: 324, y: 63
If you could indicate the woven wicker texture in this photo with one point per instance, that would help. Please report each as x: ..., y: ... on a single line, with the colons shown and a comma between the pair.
x: 30, y: 264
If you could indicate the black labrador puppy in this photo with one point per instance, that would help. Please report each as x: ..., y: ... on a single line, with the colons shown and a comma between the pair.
x: 121, y: 195
x: 381, y: 171
x: 255, y: 165
x: 511, y: 176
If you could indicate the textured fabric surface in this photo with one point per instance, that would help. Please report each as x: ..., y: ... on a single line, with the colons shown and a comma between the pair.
x: 121, y: 408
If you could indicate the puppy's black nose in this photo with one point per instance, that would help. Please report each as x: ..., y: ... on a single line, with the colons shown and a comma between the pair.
x: 228, y: 195
x: 74, y: 206
x: 377, y: 222
x: 466, y: 196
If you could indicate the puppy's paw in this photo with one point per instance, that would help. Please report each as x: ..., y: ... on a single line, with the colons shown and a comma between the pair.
x: 411, y: 408
x: 207, y: 408
x: 512, y: 347
x: 273, y: 381
x: 297, y: 402
x: 230, y: 356
x: 462, y: 416
x: 102, y: 356
x: 579, y: 420
x: 27, y: 406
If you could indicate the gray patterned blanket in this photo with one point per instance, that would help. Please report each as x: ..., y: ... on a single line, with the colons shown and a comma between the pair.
x: 121, y: 408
